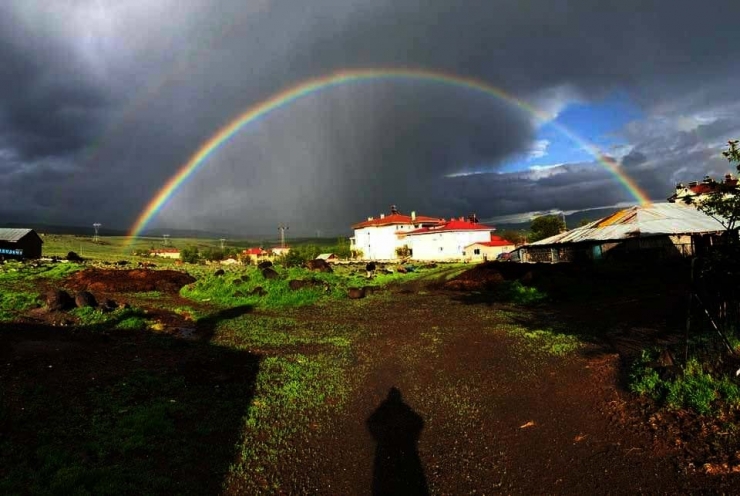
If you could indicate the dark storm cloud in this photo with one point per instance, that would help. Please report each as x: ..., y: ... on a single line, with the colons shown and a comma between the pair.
x: 102, y: 102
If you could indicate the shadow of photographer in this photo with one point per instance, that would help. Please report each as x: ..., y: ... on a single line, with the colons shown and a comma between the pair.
x: 396, y: 428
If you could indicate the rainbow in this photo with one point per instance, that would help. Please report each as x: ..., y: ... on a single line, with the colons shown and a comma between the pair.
x: 332, y: 80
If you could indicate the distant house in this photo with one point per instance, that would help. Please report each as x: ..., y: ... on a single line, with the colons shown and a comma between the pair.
x: 378, y: 238
x: 19, y: 243
x: 487, y: 250
x: 279, y: 251
x: 256, y: 255
x: 446, y: 240
x: 166, y: 253
x: 696, y: 192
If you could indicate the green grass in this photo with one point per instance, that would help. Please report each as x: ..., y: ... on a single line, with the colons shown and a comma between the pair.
x: 695, y: 389
x: 547, y: 340
x: 12, y: 303
x: 294, y: 394
x: 121, y: 318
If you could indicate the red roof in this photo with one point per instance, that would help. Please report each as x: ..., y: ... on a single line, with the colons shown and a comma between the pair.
x: 396, y: 219
x: 254, y: 251
x: 452, y: 226
x: 495, y: 241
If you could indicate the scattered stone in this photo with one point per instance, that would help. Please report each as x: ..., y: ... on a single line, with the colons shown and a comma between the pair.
x: 59, y: 299
x: 259, y: 290
x: 122, y: 263
x: 85, y: 299
x: 245, y: 278
x: 219, y: 273
x: 237, y: 282
x: 355, y: 293
x: 269, y: 273
x: 296, y: 284
x: 264, y: 265
x: 108, y: 305
x: 400, y: 269
x: 318, y: 265
x: 74, y: 257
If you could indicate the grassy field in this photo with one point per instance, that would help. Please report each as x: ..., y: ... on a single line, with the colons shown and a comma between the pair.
x: 120, y: 247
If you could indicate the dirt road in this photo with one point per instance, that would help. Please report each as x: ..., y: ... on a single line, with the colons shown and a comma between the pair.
x: 499, y: 415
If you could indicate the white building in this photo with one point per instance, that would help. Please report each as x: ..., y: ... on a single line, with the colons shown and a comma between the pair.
x: 378, y: 238
x: 446, y: 241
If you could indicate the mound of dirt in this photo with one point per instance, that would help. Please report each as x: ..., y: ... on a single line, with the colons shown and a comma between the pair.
x: 128, y: 281
x: 480, y: 277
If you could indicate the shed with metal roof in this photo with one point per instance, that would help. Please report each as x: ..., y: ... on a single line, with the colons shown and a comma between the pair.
x: 660, y: 230
x: 18, y: 243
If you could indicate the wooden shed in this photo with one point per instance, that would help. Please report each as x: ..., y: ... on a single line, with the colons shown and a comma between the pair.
x: 19, y: 243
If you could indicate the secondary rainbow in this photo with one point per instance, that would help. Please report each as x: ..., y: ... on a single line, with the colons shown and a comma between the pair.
x: 315, y: 85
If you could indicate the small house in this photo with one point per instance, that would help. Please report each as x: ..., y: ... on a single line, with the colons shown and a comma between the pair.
x: 327, y: 257
x: 166, y: 253
x: 487, y: 250
x: 19, y: 243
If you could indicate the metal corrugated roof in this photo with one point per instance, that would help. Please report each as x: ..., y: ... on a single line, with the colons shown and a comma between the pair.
x: 640, y: 221
x: 12, y: 234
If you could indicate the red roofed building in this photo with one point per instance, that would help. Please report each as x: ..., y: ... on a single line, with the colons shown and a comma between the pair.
x: 446, y: 240
x: 695, y: 192
x: 165, y: 252
x: 487, y: 250
x: 379, y: 238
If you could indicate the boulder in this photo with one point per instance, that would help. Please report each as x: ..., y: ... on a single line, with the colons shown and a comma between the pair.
x: 264, y: 265
x: 318, y: 265
x: 355, y: 293
x: 269, y: 273
x: 122, y: 263
x: 59, y: 299
x: 259, y: 290
x: 74, y: 257
x: 85, y: 299
x: 219, y: 273
x: 108, y: 305
x: 296, y: 284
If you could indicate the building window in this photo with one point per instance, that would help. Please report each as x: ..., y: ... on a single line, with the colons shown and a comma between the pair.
x: 476, y: 251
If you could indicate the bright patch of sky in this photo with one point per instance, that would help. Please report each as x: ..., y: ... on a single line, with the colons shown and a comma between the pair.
x: 595, y: 122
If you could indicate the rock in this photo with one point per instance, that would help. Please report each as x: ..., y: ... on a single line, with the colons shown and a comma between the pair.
x: 296, y: 284
x: 371, y: 289
x: 259, y: 290
x: 108, y: 305
x: 264, y: 265
x: 401, y: 269
x: 219, y: 273
x: 122, y: 263
x: 237, y: 282
x: 59, y: 299
x: 370, y: 266
x: 239, y: 294
x: 269, y: 273
x: 74, y: 257
x: 85, y: 299
x: 245, y: 278
x: 355, y: 293
x: 318, y: 265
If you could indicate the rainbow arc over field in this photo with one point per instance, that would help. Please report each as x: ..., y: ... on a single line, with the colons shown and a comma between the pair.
x: 334, y: 79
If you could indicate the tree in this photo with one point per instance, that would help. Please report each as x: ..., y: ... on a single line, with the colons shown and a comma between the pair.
x: 516, y: 237
x: 190, y: 254
x: 546, y: 226
x: 724, y: 202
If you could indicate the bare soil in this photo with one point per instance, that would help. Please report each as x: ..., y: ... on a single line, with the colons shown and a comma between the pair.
x: 448, y: 402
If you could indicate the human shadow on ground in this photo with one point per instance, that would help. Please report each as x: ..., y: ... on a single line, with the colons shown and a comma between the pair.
x: 98, y: 409
x: 396, y: 428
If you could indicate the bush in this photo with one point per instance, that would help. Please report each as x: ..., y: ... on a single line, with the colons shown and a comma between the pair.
x: 190, y: 254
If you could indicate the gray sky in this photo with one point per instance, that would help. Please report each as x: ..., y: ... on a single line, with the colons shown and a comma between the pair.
x: 102, y: 101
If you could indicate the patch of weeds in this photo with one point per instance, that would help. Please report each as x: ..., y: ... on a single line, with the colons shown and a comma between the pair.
x: 121, y: 318
x: 695, y: 389
x: 14, y: 302
x: 516, y: 292
x: 250, y: 332
x: 547, y: 341
x: 294, y: 394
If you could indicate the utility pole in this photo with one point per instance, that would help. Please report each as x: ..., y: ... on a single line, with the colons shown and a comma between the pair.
x: 96, y: 226
x: 282, y: 229
x: 565, y: 227
x: 166, y: 238
x: 222, y: 242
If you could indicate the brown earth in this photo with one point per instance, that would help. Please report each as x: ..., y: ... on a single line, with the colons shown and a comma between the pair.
x: 128, y: 281
x: 474, y: 410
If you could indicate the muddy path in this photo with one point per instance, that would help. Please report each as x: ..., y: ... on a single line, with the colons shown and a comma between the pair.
x: 450, y: 403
